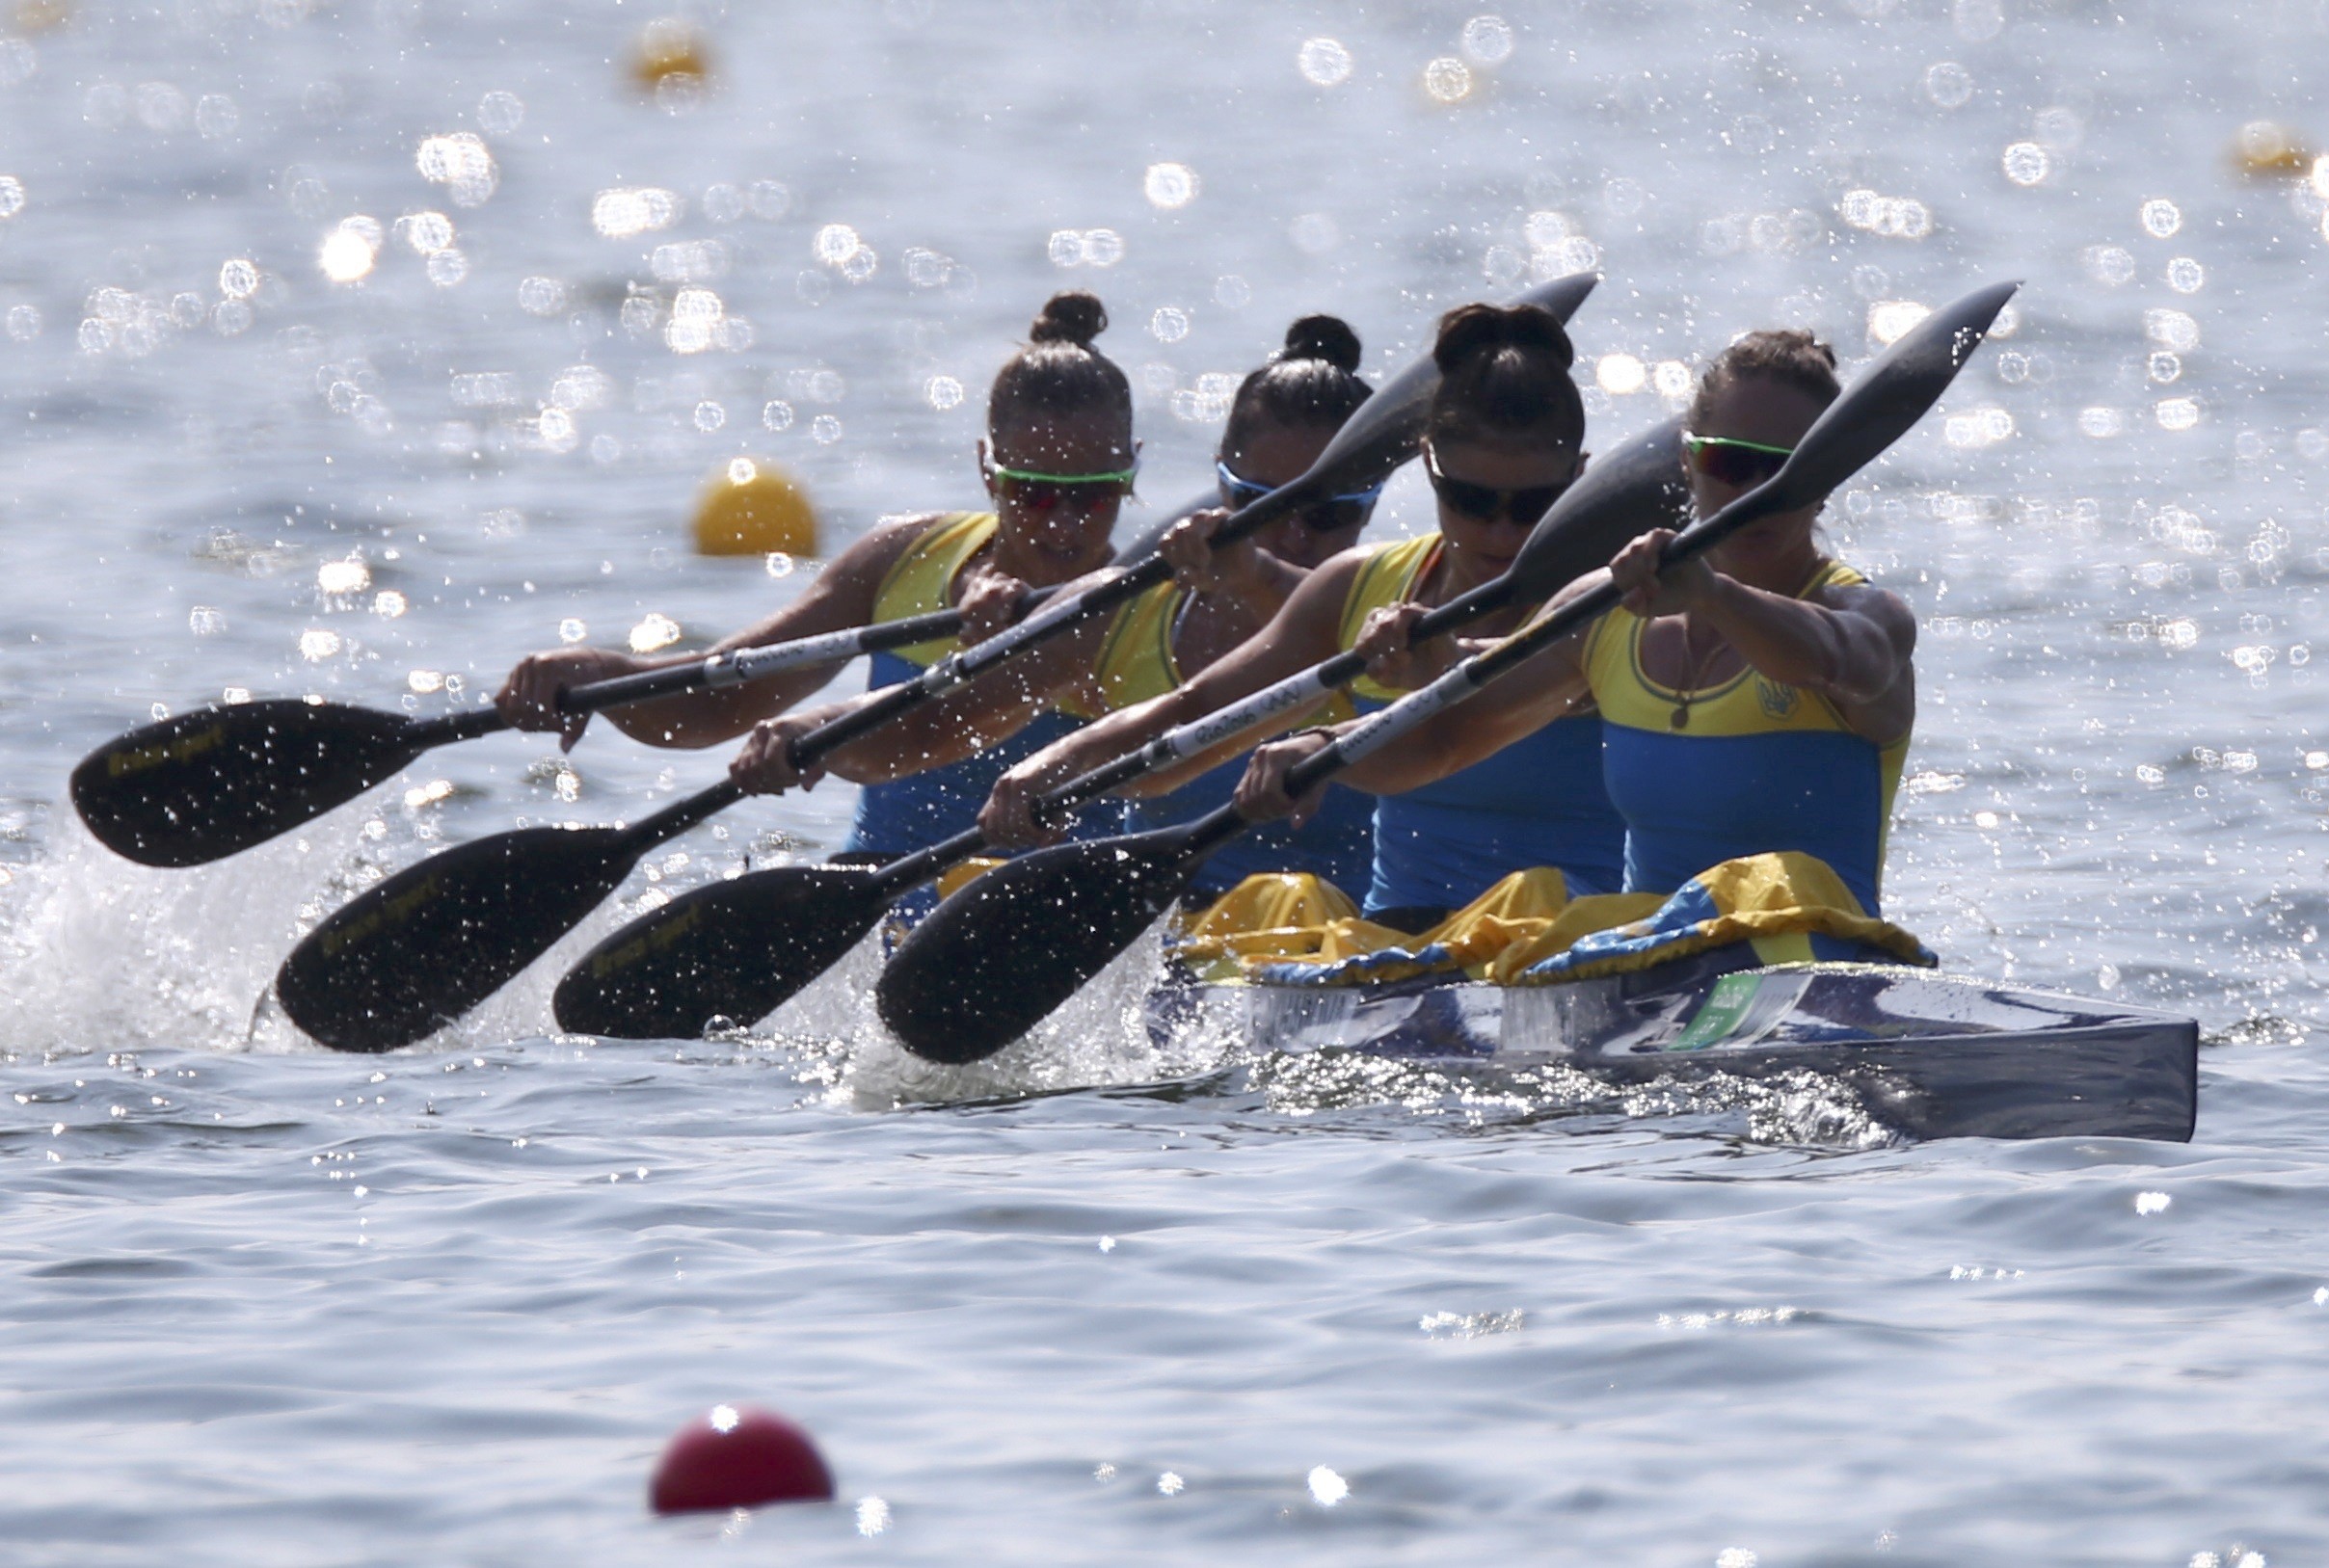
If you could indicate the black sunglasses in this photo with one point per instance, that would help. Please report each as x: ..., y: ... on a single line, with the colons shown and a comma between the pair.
x: 1484, y: 503
x: 1330, y: 516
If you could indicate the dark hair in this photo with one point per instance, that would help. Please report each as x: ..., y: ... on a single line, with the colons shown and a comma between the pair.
x: 1504, y: 378
x: 1788, y: 354
x: 1060, y: 372
x: 1311, y: 381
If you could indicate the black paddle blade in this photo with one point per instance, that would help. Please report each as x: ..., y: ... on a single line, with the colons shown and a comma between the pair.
x: 1635, y: 489
x: 204, y: 786
x: 1896, y: 391
x: 731, y: 949
x: 408, y: 957
x: 994, y: 960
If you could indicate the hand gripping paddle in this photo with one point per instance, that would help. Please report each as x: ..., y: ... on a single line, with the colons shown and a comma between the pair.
x: 404, y: 959
x: 999, y: 956
x: 200, y: 787
x: 739, y: 948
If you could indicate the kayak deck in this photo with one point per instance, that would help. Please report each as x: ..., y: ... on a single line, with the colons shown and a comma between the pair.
x: 1933, y: 1056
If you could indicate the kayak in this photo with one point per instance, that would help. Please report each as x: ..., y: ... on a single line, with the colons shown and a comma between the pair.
x: 1932, y: 1055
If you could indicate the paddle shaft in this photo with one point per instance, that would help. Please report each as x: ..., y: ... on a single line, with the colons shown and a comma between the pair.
x: 1379, y: 730
x: 948, y: 674
x: 1297, y: 691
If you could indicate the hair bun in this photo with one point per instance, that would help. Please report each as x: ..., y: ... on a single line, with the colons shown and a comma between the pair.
x: 1470, y: 331
x: 1071, y: 316
x: 1322, y: 337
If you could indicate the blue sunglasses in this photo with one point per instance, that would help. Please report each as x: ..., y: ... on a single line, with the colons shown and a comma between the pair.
x: 1329, y: 515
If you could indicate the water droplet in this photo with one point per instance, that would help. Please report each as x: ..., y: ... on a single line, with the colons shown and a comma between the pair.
x: 2161, y: 218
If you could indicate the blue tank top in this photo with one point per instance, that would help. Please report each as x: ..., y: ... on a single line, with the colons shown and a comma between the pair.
x: 1538, y: 802
x: 1751, y: 766
x: 1136, y: 662
x: 910, y: 814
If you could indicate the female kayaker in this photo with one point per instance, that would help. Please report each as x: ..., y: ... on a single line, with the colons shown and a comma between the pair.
x: 1756, y: 697
x: 1281, y: 417
x: 1503, y: 440
x: 1058, y: 460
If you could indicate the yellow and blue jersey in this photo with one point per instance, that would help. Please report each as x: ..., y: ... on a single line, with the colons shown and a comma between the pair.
x: 1759, y: 767
x: 904, y: 815
x: 1135, y: 663
x: 1538, y: 802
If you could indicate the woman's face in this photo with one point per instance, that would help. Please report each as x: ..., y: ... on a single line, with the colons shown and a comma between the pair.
x: 1273, y: 455
x: 1494, y: 541
x: 1770, y: 414
x: 1063, y: 527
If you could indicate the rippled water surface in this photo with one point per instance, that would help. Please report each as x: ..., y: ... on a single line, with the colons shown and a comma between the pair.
x: 1088, y: 1303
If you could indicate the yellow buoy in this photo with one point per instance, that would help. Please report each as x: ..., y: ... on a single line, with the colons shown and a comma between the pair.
x: 2268, y: 148
x: 671, y: 57
x: 754, y: 508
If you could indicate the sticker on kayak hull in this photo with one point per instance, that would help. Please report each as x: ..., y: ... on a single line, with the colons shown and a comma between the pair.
x: 1740, y: 1010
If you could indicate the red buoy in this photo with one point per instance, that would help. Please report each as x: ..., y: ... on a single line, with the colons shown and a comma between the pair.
x: 739, y: 1458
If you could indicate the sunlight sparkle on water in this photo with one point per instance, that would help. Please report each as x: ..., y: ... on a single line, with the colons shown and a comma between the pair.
x: 624, y: 212
x: 349, y: 576
x: 1898, y: 217
x: 2173, y: 330
x: 1326, y: 1488
x: 1447, y: 80
x: 1888, y: 319
x: 1950, y: 84
x: 1620, y: 375
x: 1487, y: 41
x: 2162, y: 218
x: 348, y: 253
x: 2110, y: 265
x: 460, y: 163
x: 654, y: 632
x: 2026, y: 163
x: 1324, y: 61
x: 1169, y: 185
